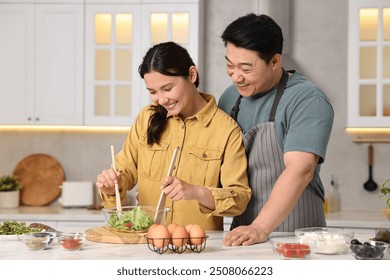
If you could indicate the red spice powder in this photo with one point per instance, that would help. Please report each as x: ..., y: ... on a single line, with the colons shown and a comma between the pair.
x: 71, y: 244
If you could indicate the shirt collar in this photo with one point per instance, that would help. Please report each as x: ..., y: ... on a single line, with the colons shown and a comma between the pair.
x: 206, y: 114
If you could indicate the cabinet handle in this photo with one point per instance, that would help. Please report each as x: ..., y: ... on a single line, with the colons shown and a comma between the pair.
x: 37, y: 119
x: 29, y: 118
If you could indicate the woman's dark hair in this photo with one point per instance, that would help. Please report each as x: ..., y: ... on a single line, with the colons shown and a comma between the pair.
x: 258, y: 33
x: 169, y: 59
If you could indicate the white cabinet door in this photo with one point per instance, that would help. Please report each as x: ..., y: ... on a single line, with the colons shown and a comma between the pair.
x: 369, y: 63
x: 117, y: 37
x: 16, y: 63
x: 59, y: 64
x: 112, y: 56
x: 178, y: 22
x: 41, y: 69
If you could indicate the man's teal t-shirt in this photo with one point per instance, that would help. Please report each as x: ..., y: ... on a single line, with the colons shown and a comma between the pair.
x: 303, y: 120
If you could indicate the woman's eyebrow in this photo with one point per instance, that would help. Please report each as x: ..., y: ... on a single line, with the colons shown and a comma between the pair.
x: 163, y: 86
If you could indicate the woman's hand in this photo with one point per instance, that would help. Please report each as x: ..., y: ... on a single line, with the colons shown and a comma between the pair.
x: 177, y: 189
x: 106, y: 180
x: 244, y: 235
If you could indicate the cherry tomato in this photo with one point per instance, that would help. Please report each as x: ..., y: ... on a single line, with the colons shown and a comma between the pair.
x: 293, y: 250
x: 128, y: 225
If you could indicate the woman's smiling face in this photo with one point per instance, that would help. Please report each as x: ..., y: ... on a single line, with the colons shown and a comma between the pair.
x: 248, y: 71
x: 174, y: 93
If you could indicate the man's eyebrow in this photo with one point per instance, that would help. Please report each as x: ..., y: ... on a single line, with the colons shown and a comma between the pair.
x: 241, y: 63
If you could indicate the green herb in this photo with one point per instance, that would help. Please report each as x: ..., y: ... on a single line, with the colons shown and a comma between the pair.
x: 385, y: 191
x: 9, y: 183
x: 134, y: 219
x: 16, y: 228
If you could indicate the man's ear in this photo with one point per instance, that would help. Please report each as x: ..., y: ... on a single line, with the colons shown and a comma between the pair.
x: 276, y: 60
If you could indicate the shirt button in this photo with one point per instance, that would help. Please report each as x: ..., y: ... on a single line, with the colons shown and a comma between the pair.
x: 183, y: 126
x: 204, y: 156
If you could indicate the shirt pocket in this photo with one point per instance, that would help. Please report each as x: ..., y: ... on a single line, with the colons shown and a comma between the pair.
x: 205, y: 163
x: 152, y: 160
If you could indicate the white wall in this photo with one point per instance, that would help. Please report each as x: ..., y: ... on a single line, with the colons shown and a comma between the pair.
x: 318, y: 48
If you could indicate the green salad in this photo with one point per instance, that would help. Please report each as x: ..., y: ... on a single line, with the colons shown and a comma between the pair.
x: 134, y: 219
x: 16, y: 228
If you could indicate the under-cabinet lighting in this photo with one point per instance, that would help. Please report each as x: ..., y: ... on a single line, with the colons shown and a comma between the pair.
x: 368, y: 130
x: 67, y: 128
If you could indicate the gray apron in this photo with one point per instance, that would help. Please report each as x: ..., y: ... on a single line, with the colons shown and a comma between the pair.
x: 265, y: 164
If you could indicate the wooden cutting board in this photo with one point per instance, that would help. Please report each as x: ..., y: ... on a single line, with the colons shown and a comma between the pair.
x: 40, y: 176
x: 109, y: 235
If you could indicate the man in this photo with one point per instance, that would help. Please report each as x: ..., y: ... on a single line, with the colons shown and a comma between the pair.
x: 286, y: 120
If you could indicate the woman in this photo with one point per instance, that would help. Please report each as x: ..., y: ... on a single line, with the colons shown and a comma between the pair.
x: 209, y: 177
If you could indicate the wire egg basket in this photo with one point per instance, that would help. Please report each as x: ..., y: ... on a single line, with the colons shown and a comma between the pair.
x: 176, y: 245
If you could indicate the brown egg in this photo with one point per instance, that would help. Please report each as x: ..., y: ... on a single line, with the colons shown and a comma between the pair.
x: 197, y: 234
x: 159, y: 236
x: 188, y: 227
x: 150, y: 232
x: 171, y: 227
x: 179, y: 236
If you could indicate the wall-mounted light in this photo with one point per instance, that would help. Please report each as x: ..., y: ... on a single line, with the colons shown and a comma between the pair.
x: 369, y: 134
x: 59, y: 128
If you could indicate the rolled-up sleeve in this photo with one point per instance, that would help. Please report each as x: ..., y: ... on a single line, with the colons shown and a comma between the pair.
x: 233, y: 195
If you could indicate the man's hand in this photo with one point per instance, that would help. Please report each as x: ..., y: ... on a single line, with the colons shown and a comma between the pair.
x: 244, y: 235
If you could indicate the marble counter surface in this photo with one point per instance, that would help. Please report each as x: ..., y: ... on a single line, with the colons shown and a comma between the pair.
x: 16, y: 250
x: 56, y: 213
x: 51, y: 213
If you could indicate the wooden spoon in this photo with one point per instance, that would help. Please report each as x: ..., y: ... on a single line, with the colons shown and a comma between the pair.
x: 161, y: 202
x: 117, y: 194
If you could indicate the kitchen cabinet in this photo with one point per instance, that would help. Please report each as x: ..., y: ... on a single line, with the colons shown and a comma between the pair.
x: 118, y: 34
x: 369, y: 63
x: 41, y: 69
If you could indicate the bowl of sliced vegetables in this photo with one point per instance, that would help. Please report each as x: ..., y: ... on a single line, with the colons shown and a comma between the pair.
x: 133, y: 218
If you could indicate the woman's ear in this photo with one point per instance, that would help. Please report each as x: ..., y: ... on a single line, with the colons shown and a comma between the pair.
x: 193, y: 74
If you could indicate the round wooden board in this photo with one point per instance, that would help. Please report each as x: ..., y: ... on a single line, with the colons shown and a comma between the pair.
x: 41, y: 176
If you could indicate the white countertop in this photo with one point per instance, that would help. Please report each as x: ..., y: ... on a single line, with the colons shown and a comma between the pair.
x: 16, y: 250
x: 344, y: 219
x: 358, y: 219
x: 51, y: 213
x: 80, y: 217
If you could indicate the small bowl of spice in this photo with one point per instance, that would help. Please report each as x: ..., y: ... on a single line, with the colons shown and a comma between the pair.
x: 72, y: 241
x: 36, y: 243
x: 44, y: 234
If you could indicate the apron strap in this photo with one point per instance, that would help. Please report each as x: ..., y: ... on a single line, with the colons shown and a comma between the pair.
x: 236, y: 108
x: 281, y: 86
